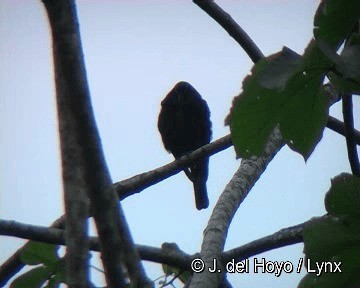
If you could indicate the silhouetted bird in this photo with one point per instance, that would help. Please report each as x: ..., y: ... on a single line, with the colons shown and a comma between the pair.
x: 184, y: 125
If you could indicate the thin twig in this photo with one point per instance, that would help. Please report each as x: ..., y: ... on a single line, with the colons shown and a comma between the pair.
x: 138, y: 183
x: 339, y: 127
x: 347, y: 109
x: 230, y: 26
x: 142, y: 181
x: 284, y: 237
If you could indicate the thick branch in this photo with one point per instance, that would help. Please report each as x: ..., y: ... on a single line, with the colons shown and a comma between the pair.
x: 243, y: 180
x: 235, y: 192
x: 349, y: 132
x: 117, y: 247
x: 64, y: 26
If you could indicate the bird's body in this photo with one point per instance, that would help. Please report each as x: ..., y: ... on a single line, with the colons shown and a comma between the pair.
x: 184, y: 125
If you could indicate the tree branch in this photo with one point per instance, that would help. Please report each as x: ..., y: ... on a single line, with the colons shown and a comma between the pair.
x: 347, y: 109
x: 284, y: 237
x: 142, y: 181
x: 243, y: 180
x: 73, y: 99
x: 138, y: 183
x: 57, y: 236
x: 230, y: 199
x: 176, y: 258
x: 230, y: 26
x: 64, y: 25
x: 339, y: 127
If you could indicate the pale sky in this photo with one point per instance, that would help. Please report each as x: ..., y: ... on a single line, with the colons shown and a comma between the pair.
x: 135, y: 52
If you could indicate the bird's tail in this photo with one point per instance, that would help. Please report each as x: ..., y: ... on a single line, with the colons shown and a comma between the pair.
x: 201, y: 197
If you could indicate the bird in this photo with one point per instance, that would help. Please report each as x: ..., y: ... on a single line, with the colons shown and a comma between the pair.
x: 184, y: 125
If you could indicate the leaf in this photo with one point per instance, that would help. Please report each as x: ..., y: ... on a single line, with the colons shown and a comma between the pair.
x: 351, y: 61
x: 334, y: 20
x: 304, y: 115
x: 34, y: 278
x: 253, y: 115
x: 182, y: 275
x: 52, y: 283
x: 348, y: 278
x: 343, y: 198
x: 59, y: 269
x: 350, y: 69
x: 170, y: 270
x: 36, y: 253
x: 300, y: 107
x: 335, y: 238
x: 346, y: 71
x: 305, y: 108
x: 280, y: 69
x: 328, y: 236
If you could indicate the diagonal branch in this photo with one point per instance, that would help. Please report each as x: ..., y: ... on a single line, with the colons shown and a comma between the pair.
x: 142, y: 181
x: 229, y: 201
x: 249, y: 172
x: 230, y: 26
x: 284, y: 237
x: 339, y: 127
x: 347, y: 107
x: 138, y: 183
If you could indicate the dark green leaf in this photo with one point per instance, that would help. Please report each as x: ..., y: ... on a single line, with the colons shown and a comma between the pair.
x: 34, y: 278
x: 305, y: 108
x: 52, y: 283
x: 348, y: 86
x: 328, y: 236
x: 334, y: 20
x: 300, y: 107
x: 171, y: 270
x: 253, y: 115
x: 305, y: 113
x: 347, y: 278
x: 345, y: 73
x: 36, y: 253
x: 351, y: 60
x: 59, y: 269
x: 343, y: 198
x: 281, y: 67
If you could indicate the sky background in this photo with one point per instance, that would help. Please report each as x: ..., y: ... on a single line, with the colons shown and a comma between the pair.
x: 135, y: 52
